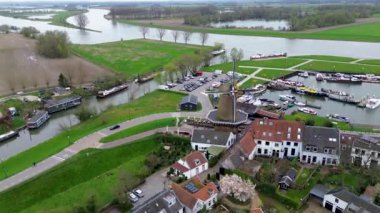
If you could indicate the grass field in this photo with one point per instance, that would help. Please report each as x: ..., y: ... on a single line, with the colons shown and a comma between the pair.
x: 352, y: 181
x: 303, y: 175
x: 139, y: 129
x: 59, y: 19
x: 273, y: 63
x: 321, y: 121
x: 251, y: 83
x: 91, y: 172
x: 360, y: 32
x: 161, y: 100
x: 370, y: 61
x: 134, y: 57
x: 327, y: 66
x: 225, y: 67
x: 325, y: 57
x: 273, y: 73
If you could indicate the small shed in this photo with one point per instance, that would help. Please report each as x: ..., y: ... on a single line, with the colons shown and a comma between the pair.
x: 189, y: 102
x: 287, y: 180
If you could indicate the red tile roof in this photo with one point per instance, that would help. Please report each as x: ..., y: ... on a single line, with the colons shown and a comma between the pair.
x: 277, y: 130
x: 190, y: 199
x: 268, y: 114
x: 180, y: 167
x: 257, y: 210
x: 247, y: 144
x: 193, y: 157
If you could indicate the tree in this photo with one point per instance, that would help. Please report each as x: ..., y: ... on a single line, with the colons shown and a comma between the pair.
x: 161, y: 33
x: 224, y: 58
x: 206, y: 57
x: 236, y: 56
x: 236, y: 187
x: 82, y: 20
x: 186, y: 36
x: 175, y: 35
x: 170, y: 70
x: 84, y: 113
x: 203, y: 36
x: 144, y: 30
x: 53, y: 44
x: 63, y: 81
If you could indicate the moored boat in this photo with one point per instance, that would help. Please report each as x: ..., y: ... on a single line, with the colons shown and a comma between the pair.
x: 263, y: 56
x: 289, y: 98
x: 344, y: 99
x: 303, y: 74
x: 258, y: 89
x: 337, y: 117
x: 8, y: 135
x: 112, y: 91
x: 336, y: 92
x: 218, y: 52
x: 308, y: 91
x: 372, y: 103
x: 297, y: 103
x: 307, y: 110
x: 319, y: 77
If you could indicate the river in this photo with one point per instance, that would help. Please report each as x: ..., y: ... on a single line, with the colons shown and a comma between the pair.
x: 114, y: 31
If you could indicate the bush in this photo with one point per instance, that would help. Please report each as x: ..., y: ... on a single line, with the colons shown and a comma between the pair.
x: 29, y: 32
x: 85, y: 113
x: 214, y: 160
x: 310, y: 122
x: 328, y: 123
x: 53, y: 44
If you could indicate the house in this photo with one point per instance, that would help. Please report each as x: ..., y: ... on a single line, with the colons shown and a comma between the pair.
x: 189, y: 102
x: 202, y: 139
x: 346, y: 141
x: 247, y: 145
x: 277, y: 138
x: 195, y: 196
x: 340, y: 200
x: 39, y: 118
x: 288, y: 179
x: 366, y: 151
x: 62, y: 104
x: 165, y: 201
x: 191, y: 165
x: 320, y: 146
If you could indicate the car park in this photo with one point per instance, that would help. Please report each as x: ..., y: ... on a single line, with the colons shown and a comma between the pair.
x: 132, y: 197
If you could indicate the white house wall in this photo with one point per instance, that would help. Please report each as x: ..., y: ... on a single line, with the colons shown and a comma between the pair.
x: 333, y: 200
x: 279, y: 147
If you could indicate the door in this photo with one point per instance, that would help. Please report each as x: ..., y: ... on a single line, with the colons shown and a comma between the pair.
x: 286, y: 152
x: 196, y: 147
x: 329, y: 206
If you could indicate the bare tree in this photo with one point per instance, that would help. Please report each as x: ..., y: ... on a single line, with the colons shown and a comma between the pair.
x: 203, y: 36
x: 161, y: 33
x: 175, y: 35
x: 82, y: 20
x: 186, y: 36
x: 144, y: 30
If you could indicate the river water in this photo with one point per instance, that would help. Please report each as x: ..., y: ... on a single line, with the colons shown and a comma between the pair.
x: 114, y: 31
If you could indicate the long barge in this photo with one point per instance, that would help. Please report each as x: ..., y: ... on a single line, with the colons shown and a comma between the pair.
x: 308, y: 91
x: 53, y: 106
x: 38, y: 119
x: 112, y: 91
x: 344, y: 99
x: 262, y: 56
x: 8, y: 135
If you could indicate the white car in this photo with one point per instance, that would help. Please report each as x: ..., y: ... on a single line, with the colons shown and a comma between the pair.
x: 138, y: 192
x: 132, y: 197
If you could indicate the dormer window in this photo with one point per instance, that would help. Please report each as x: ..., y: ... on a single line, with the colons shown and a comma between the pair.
x: 215, y: 137
x: 299, y: 130
x: 289, y: 129
x: 202, y: 136
x: 197, y: 162
x: 264, y: 133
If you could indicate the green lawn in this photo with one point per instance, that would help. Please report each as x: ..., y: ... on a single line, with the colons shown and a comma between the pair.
x: 59, y: 19
x: 273, y: 74
x: 361, y: 32
x: 303, y: 175
x: 134, y: 57
x: 326, y: 66
x: 297, y: 195
x: 162, y: 101
x: 225, y: 67
x: 269, y: 202
x: 251, y: 83
x: 325, y: 57
x: 370, y: 61
x: 321, y: 121
x: 139, y: 129
x: 273, y: 63
x: 91, y: 172
x: 354, y: 182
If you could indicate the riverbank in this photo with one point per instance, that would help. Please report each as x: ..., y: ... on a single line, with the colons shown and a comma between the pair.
x: 162, y: 100
x: 363, y: 32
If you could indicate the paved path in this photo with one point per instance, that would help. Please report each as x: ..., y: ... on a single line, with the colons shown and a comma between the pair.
x: 299, y: 65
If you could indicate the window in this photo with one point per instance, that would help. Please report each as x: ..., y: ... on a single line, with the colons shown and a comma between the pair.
x: 295, y: 144
x: 336, y: 200
x: 259, y: 150
x: 288, y: 143
x: 328, y: 160
x: 276, y: 144
x: 259, y: 142
x: 343, y: 147
x: 307, y: 148
x: 303, y: 157
x: 363, y: 152
x: 314, y: 159
x: 265, y: 151
x: 314, y: 149
x: 357, y: 151
x: 293, y: 152
x: 373, y: 154
x: 267, y: 143
x: 334, y: 161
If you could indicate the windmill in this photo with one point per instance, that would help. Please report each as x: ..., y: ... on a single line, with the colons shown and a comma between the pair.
x: 227, y: 112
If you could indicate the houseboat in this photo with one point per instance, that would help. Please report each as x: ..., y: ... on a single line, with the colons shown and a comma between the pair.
x: 344, y: 79
x: 62, y: 104
x: 335, y: 92
x: 307, y: 110
x: 372, y: 103
x: 8, y: 135
x: 258, y: 89
x: 38, y: 119
x: 337, y: 117
x: 319, y: 77
x: 112, y: 91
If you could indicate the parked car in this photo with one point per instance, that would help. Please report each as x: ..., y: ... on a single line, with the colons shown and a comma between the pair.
x: 198, y: 73
x: 132, y: 197
x: 115, y: 127
x: 138, y: 192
